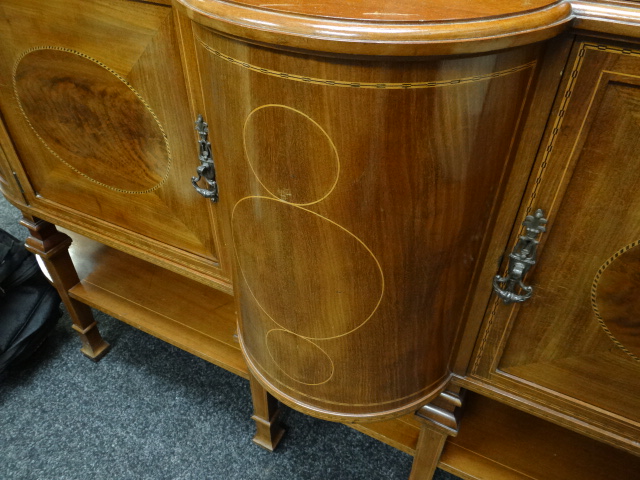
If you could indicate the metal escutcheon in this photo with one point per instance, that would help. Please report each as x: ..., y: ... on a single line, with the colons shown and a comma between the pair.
x: 207, y: 169
x: 521, y: 260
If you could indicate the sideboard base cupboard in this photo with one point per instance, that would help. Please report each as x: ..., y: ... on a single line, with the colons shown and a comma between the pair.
x: 419, y: 219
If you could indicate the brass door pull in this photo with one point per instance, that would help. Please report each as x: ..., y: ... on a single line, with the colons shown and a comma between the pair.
x: 521, y: 260
x: 207, y: 169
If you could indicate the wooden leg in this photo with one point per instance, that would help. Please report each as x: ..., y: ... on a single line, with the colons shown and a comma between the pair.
x: 266, y: 414
x: 52, y: 247
x: 440, y: 420
x: 428, y: 451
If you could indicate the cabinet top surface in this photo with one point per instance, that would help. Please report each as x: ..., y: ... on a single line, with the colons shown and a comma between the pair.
x: 385, y: 27
x: 396, y: 10
x: 408, y: 27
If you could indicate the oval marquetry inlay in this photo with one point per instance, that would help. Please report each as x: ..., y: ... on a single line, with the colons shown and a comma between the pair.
x: 333, y: 282
x: 291, y: 155
x: 617, y: 298
x: 92, y: 120
x: 299, y: 358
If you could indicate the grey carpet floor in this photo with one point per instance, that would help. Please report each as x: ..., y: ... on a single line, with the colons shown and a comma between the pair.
x: 151, y: 411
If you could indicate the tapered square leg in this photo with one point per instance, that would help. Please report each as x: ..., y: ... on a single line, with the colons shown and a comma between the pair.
x: 52, y: 247
x: 266, y: 414
x: 428, y: 451
x: 440, y: 420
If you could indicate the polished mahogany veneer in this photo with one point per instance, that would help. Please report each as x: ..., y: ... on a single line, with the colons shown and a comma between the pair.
x: 361, y: 178
x: 384, y: 28
x: 358, y: 191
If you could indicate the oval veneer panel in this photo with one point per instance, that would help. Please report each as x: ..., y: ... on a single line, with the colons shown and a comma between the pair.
x: 617, y: 301
x: 92, y: 120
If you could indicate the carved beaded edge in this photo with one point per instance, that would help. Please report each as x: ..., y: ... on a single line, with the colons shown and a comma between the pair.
x: 365, y: 85
x: 594, y: 305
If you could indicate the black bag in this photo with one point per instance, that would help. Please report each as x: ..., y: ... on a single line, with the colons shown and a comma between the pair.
x: 29, y: 305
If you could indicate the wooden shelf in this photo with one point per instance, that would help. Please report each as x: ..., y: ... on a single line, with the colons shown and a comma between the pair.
x: 498, y: 442
x: 495, y: 442
x: 180, y: 311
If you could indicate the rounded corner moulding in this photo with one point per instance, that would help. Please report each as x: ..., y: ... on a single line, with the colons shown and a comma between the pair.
x: 366, y: 37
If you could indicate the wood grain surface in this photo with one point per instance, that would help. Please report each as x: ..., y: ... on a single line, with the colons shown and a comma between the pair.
x: 385, y: 28
x: 98, y: 112
x: 406, y: 10
x: 359, y: 195
x: 617, y: 298
x: 562, y: 350
x: 92, y: 120
x: 364, y: 151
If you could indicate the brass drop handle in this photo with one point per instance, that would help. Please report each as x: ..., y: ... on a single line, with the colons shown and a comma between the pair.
x: 207, y: 169
x: 521, y: 260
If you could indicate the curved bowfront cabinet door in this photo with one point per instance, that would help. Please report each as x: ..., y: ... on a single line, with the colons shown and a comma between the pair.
x: 94, y: 99
x: 574, y: 346
x: 360, y: 193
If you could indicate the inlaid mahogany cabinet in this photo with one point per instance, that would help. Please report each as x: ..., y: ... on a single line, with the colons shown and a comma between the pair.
x: 418, y: 218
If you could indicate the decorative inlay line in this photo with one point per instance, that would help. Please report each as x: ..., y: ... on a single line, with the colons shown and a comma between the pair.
x: 485, y: 337
x: 377, y: 263
x: 563, y: 109
x: 594, y: 305
x: 283, y: 370
x: 439, y: 383
x: 253, y: 170
x: 365, y: 85
x: 123, y: 80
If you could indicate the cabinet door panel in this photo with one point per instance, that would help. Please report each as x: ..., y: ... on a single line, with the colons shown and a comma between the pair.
x: 97, y: 107
x: 360, y: 196
x: 575, y: 342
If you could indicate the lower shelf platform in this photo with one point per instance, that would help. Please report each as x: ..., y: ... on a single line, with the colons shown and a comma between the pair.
x: 496, y: 442
x: 499, y: 442
x: 180, y: 311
